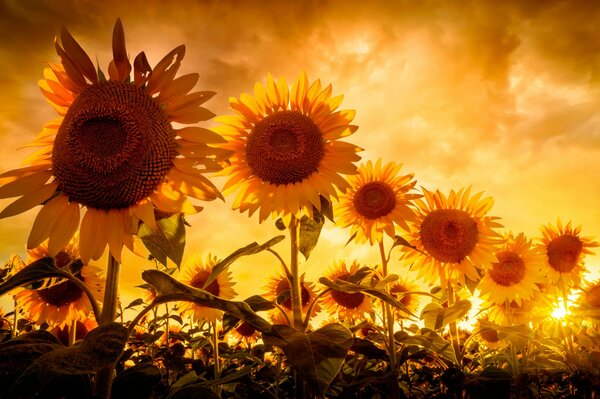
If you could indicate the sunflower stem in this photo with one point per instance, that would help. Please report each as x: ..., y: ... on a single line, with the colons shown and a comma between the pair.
x: 109, y: 310
x: 215, y: 339
x: 454, y: 338
x: 14, y: 330
x: 389, y: 321
x: 295, y: 280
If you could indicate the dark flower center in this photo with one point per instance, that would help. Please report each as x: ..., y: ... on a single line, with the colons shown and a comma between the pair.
x: 374, y: 200
x: 564, y: 252
x: 348, y: 300
x: 509, y: 270
x: 285, y: 147
x: 200, y: 278
x: 449, y: 235
x: 284, y: 286
x: 62, y: 294
x: 113, y: 148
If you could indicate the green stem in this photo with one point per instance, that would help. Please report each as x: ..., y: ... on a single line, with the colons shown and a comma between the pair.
x: 389, y: 321
x: 215, y: 339
x: 295, y: 290
x: 454, y: 338
x: 109, y: 311
x: 15, y: 320
x: 513, y: 351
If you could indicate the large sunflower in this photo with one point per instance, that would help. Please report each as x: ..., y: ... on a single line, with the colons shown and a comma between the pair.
x: 286, y: 148
x: 61, y: 304
x: 377, y: 200
x: 113, y: 151
x: 195, y: 272
x: 516, y: 272
x: 278, y: 287
x: 453, y: 236
x: 565, y: 251
x: 346, y: 305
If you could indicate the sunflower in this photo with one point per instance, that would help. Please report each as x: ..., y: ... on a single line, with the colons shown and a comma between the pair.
x: 515, y: 274
x: 63, y: 303
x: 113, y: 151
x: 278, y: 288
x: 377, y: 200
x: 245, y: 332
x: 286, y: 148
x: 488, y: 334
x: 452, y: 236
x: 588, y: 303
x: 536, y: 309
x: 565, y: 251
x: 401, y: 290
x: 195, y: 273
x: 346, y: 305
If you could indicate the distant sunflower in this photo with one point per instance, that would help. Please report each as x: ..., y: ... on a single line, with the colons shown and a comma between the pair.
x: 488, y: 334
x: 61, y: 304
x: 565, y: 251
x: 245, y: 332
x: 588, y: 303
x: 516, y: 272
x: 278, y: 287
x: 286, y: 148
x: 113, y: 150
x: 346, y: 305
x: 195, y: 273
x: 402, y: 291
x: 377, y: 201
x: 536, y: 309
x: 453, y: 236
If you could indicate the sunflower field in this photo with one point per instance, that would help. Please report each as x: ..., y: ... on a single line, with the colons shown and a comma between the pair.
x: 491, y: 313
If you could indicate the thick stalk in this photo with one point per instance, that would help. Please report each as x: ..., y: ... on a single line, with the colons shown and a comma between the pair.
x: 295, y: 290
x: 109, y: 311
x: 454, y: 338
x: 389, y: 321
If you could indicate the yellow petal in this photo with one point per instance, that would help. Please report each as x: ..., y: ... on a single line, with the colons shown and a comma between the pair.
x: 45, y: 220
x: 116, y: 231
x: 25, y: 185
x: 64, y: 228
x: 78, y: 55
x: 145, y: 212
x: 30, y: 200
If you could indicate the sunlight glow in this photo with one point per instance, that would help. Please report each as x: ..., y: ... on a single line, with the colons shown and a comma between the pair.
x: 559, y: 312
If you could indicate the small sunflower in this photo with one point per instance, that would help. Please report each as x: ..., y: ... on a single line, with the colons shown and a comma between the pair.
x: 245, y: 332
x: 453, y: 236
x: 278, y: 287
x: 346, y: 305
x: 195, y: 273
x: 113, y: 150
x: 515, y: 274
x: 588, y: 303
x: 536, y: 309
x: 61, y: 304
x: 377, y: 201
x: 565, y: 251
x: 286, y: 148
x: 402, y: 291
x: 488, y: 334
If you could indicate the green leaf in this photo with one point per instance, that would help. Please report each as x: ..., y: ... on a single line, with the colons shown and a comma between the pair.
x: 249, y: 249
x: 38, y: 270
x: 435, y: 316
x: 256, y: 302
x: 169, y: 289
x: 99, y: 349
x: 345, y: 286
x: 167, y: 241
x: 430, y: 340
x: 134, y: 303
x: 310, y: 230
x: 317, y: 356
x: 137, y: 382
x: 326, y: 208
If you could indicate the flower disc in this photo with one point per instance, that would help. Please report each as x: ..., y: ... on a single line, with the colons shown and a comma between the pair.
x: 200, y: 278
x: 114, y: 146
x: 564, y: 252
x: 61, y: 294
x: 449, y: 235
x: 374, y: 200
x: 593, y: 297
x: 510, y: 269
x: 285, y: 147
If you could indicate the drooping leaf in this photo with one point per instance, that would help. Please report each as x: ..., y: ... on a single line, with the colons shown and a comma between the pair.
x: 435, y: 316
x: 134, y: 303
x: 256, y: 302
x: 317, y: 356
x: 249, y: 249
x: 33, y: 273
x: 345, y: 286
x: 169, y: 289
x: 137, y: 382
x: 167, y: 241
x: 430, y: 340
x: 99, y: 349
x: 310, y: 230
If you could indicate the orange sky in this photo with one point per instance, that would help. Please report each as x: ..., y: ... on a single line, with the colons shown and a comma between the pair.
x: 499, y: 95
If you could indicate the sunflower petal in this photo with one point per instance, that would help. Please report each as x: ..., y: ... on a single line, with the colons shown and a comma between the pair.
x: 120, y: 62
x: 141, y: 69
x: 78, y: 55
x: 64, y: 228
x: 45, y: 220
x: 25, y: 185
x: 30, y: 200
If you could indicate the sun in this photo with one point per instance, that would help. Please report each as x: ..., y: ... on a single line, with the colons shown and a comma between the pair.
x: 378, y: 200
x: 113, y: 152
x: 287, y: 153
x: 452, y: 237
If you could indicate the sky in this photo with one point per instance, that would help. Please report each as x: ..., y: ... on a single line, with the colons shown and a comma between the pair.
x: 502, y: 96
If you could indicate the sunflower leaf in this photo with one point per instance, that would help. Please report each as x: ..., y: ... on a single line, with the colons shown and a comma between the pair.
x: 38, y: 270
x: 310, y: 230
x: 167, y: 241
x: 138, y: 381
x: 326, y: 208
x: 435, y: 316
x: 249, y: 249
x: 317, y: 356
x: 428, y: 339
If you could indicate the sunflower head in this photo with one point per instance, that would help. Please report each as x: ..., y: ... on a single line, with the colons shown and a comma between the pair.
x: 195, y: 272
x: 452, y: 237
x: 63, y: 303
x: 278, y: 289
x: 377, y: 201
x: 402, y: 290
x: 516, y: 272
x: 114, y: 151
x: 287, y: 153
x: 565, y: 250
x: 245, y: 332
x: 346, y: 305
